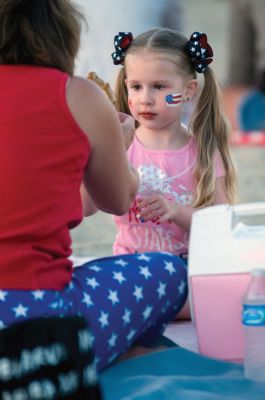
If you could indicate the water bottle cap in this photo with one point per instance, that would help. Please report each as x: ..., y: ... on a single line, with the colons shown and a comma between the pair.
x: 258, y: 272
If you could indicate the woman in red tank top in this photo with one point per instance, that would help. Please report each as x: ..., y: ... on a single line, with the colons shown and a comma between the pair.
x: 58, y: 132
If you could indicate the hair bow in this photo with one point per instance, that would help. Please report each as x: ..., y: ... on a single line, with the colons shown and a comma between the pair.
x: 122, y: 42
x: 199, y: 51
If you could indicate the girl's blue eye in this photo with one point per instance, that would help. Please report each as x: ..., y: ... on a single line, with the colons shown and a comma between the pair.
x: 159, y: 86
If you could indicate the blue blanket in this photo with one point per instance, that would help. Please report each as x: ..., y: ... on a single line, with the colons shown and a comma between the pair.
x: 178, y: 374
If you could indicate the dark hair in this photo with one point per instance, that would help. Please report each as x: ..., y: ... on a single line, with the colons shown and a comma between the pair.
x: 40, y: 32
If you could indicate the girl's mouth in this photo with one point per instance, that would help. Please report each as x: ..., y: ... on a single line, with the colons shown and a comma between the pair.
x: 148, y: 115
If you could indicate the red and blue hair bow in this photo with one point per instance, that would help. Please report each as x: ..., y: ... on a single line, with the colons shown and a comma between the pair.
x: 122, y: 42
x: 199, y: 51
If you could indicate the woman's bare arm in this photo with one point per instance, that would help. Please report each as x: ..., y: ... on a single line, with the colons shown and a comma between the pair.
x: 89, y: 207
x: 110, y: 181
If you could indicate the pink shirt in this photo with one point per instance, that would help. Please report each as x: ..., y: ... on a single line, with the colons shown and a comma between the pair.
x: 170, y: 173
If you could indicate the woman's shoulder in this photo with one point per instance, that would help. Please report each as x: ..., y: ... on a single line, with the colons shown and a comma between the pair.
x: 87, y: 93
x: 80, y: 87
x: 87, y: 102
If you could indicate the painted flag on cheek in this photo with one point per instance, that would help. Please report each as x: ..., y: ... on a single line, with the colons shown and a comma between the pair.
x: 173, y: 100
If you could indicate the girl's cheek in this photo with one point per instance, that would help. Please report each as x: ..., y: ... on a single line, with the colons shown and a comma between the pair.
x: 130, y: 103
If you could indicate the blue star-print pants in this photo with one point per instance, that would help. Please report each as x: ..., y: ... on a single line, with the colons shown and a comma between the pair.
x: 126, y: 299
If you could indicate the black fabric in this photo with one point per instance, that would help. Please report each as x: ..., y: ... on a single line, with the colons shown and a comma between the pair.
x: 47, y: 359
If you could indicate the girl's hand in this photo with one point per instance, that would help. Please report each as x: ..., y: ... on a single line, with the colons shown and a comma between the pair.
x: 128, y: 128
x: 157, y: 207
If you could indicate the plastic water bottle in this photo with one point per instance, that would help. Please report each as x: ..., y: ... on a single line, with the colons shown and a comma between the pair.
x: 253, y: 319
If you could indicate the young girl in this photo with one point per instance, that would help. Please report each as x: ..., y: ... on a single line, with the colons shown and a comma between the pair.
x: 181, y: 169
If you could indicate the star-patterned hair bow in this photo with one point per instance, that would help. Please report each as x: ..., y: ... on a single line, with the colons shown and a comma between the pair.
x: 199, y: 51
x: 122, y: 42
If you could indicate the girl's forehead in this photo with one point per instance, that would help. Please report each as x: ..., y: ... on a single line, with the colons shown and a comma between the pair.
x: 157, y: 62
x: 150, y: 55
x: 154, y: 62
x: 150, y: 69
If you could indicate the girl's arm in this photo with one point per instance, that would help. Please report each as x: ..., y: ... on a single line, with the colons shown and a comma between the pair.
x: 110, y: 181
x: 183, y: 214
x: 157, y: 206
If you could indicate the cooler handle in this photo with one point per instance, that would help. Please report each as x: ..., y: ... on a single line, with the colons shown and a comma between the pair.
x: 248, y: 220
x: 248, y: 209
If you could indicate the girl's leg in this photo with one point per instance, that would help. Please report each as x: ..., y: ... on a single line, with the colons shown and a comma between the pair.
x: 128, y: 298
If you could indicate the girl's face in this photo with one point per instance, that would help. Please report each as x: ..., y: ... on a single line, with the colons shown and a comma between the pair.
x: 151, y: 77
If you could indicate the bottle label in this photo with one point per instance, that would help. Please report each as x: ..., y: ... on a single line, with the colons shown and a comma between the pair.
x: 253, y: 315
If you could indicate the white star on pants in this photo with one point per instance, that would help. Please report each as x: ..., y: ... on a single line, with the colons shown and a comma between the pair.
x: 112, y: 340
x: 126, y: 316
x: 3, y: 295
x: 87, y: 300
x: 113, y: 297
x: 20, y: 310
x: 103, y: 319
x: 38, y: 294
x: 92, y: 282
x: 181, y: 287
x: 169, y: 267
x: 119, y: 277
x: 147, y: 312
x: 144, y: 257
x: 161, y: 290
x: 138, y: 292
x: 145, y: 272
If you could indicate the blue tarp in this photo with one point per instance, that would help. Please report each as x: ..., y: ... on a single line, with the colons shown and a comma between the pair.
x: 178, y: 374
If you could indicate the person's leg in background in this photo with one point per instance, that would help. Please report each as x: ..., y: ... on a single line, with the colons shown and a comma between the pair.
x: 246, y: 44
x: 241, y: 63
x: 173, y: 15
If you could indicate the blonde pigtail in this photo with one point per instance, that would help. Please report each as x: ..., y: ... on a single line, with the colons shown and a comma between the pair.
x: 121, y: 93
x: 212, y: 132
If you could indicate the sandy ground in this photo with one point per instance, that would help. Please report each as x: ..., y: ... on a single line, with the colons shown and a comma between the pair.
x: 95, y: 235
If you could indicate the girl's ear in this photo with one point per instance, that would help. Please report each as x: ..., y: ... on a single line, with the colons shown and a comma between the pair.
x: 191, y: 89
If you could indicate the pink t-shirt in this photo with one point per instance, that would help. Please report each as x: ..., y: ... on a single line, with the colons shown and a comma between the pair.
x: 170, y: 173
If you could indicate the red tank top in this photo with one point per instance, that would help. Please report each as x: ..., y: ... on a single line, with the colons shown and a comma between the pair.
x: 43, y: 153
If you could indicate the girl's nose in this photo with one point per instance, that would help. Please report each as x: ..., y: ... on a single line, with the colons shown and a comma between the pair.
x: 147, y: 98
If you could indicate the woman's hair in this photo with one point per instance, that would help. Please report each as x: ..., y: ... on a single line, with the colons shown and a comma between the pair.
x: 209, y: 125
x: 40, y: 32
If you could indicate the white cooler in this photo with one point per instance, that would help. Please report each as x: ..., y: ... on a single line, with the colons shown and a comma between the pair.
x: 226, y: 242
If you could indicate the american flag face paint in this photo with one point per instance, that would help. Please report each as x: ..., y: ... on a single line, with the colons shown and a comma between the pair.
x: 174, y: 100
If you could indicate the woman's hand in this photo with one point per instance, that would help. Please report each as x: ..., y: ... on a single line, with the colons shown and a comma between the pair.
x: 157, y: 208
x: 128, y: 128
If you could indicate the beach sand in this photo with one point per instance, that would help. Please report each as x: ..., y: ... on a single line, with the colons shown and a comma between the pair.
x: 95, y: 235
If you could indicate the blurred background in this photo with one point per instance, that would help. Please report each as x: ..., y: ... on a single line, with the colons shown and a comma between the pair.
x: 236, y: 32
x: 107, y: 17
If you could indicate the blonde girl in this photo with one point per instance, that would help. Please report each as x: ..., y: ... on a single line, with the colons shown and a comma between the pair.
x: 181, y: 168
